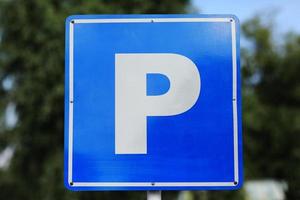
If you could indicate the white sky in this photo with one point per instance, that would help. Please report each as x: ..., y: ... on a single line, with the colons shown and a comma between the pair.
x: 287, y: 18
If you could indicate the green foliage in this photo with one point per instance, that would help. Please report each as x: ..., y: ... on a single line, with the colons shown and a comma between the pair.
x: 272, y: 107
x: 32, y: 54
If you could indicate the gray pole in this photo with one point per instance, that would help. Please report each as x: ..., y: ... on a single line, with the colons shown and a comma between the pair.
x: 154, y: 195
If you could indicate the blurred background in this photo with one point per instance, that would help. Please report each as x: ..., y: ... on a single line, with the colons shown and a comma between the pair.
x: 32, y: 95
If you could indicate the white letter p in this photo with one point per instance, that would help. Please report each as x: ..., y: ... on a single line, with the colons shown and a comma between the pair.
x: 132, y: 105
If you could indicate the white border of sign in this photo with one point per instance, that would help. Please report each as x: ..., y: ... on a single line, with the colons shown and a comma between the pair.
x: 151, y: 184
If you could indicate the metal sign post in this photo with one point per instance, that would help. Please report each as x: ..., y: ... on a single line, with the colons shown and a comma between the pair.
x: 154, y: 195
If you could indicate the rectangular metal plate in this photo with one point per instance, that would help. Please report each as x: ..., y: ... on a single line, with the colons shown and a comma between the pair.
x: 200, y: 149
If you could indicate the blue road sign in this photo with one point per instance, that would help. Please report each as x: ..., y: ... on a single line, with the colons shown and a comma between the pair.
x: 152, y: 102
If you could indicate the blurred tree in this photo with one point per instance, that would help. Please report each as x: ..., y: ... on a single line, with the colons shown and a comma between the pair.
x: 32, y: 58
x: 272, y: 106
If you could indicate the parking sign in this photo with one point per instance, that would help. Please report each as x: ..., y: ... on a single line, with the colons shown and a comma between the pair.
x: 152, y: 102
